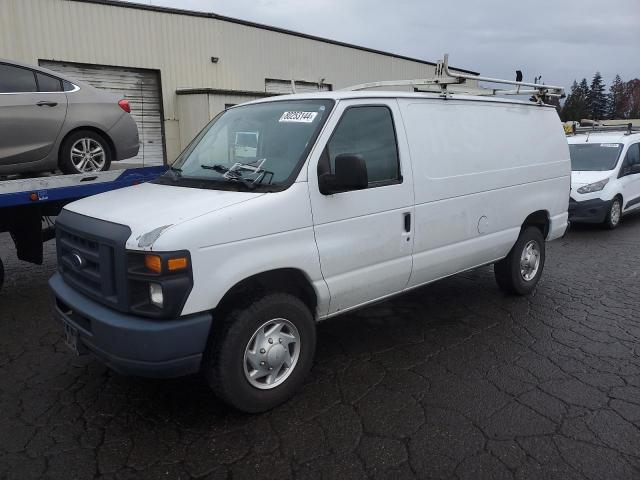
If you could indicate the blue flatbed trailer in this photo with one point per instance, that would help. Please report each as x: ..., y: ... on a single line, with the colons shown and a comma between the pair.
x: 26, y: 204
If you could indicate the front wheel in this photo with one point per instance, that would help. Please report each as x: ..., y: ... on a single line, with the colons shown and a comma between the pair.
x: 612, y: 220
x: 260, y: 354
x: 520, y: 271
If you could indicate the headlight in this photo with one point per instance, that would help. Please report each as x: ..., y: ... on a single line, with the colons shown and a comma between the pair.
x: 593, y: 187
x: 158, y: 283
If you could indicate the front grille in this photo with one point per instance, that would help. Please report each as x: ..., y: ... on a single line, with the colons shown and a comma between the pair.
x: 87, y: 265
x: 92, y: 257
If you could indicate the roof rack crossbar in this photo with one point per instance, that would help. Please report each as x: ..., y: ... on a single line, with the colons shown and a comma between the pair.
x: 444, y: 77
x: 628, y: 128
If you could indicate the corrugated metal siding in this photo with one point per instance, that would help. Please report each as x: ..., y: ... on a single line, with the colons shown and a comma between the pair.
x: 181, y: 46
x: 140, y: 87
x: 284, y: 86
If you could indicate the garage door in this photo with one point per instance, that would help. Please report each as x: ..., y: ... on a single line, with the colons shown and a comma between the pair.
x: 140, y: 87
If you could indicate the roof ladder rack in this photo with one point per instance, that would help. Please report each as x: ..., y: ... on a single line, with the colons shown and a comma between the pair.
x: 444, y: 77
x: 627, y: 128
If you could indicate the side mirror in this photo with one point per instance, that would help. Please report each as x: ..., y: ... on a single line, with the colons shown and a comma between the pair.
x: 635, y: 168
x: 350, y: 174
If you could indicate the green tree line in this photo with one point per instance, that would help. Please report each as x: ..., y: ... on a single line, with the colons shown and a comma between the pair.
x: 592, y: 101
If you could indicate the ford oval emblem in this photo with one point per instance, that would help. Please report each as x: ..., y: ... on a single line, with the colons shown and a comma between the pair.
x: 77, y: 260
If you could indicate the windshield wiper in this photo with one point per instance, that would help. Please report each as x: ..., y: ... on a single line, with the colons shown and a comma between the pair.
x: 231, y: 175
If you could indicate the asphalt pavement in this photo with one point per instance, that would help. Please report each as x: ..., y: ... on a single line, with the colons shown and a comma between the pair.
x: 453, y: 380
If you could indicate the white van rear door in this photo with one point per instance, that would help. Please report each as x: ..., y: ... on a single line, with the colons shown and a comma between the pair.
x: 364, y: 237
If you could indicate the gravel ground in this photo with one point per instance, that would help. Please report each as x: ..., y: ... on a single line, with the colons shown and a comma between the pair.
x: 454, y: 380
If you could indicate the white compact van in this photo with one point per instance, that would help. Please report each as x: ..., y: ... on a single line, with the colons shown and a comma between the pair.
x: 605, y: 182
x: 294, y: 209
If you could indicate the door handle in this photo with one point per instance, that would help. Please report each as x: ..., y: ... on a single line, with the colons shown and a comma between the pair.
x: 407, y: 222
x: 44, y: 103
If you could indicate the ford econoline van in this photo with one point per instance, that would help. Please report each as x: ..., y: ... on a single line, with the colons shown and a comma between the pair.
x: 290, y: 210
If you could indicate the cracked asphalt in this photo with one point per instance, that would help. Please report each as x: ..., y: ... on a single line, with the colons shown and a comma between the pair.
x: 454, y: 380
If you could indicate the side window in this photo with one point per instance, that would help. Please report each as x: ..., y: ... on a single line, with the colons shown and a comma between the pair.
x: 67, y: 86
x: 367, y: 131
x: 16, y: 79
x: 47, y: 83
x: 631, y: 158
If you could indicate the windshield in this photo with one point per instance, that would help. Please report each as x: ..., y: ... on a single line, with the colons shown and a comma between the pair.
x: 594, y: 157
x: 251, y: 146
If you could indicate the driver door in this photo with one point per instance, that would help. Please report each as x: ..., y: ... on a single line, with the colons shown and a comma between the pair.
x: 364, y: 237
x: 629, y: 177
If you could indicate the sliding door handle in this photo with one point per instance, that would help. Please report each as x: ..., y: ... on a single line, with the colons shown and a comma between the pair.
x: 407, y: 222
x: 44, y: 103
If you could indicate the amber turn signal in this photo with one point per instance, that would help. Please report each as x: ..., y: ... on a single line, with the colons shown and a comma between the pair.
x: 153, y: 263
x: 179, y: 263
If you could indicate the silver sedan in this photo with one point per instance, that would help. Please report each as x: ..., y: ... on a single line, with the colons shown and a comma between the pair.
x: 49, y: 122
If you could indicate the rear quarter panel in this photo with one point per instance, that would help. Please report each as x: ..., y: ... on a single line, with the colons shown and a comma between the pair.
x: 90, y: 107
x: 480, y: 169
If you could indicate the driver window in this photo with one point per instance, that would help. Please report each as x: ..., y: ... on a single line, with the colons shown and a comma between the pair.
x: 367, y: 131
x: 631, y: 158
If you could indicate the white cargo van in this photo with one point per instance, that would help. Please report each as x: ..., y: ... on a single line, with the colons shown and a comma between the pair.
x: 294, y: 209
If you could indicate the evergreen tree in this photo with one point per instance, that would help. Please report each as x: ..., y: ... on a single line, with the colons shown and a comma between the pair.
x: 631, y: 99
x: 576, y: 105
x: 597, y: 98
x: 616, y: 99
x: 568, y: 112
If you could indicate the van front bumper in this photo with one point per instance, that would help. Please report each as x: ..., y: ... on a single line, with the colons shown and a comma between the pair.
x: 588, y: 211
x: 129, y: 344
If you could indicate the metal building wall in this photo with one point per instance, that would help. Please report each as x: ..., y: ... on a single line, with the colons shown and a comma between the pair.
x: 180, y: 47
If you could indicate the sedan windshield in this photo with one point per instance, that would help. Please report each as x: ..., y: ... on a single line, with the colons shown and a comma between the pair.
x: 252, y: 146
x: 594, y: 157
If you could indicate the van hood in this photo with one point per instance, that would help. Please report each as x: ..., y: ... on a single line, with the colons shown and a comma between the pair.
x: 148, y: 207
x: 579, y: 178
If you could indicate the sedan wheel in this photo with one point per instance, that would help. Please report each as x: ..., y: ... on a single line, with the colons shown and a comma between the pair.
x: 85, y: 151
x: 88, y: 155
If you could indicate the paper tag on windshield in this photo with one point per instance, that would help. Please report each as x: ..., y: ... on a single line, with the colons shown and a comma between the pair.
x: 609, y: 145
x: 300, y: 117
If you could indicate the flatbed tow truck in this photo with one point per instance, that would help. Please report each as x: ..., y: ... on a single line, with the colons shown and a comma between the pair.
x: 28, y: 205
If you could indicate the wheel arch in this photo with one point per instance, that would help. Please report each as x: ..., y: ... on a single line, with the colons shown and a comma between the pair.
x: 90, y: 128
x: 284, y: 280
x: 539, y: 219
x: 619, y: 195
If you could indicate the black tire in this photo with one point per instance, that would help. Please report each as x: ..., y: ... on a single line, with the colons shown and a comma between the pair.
x: 612, y: 220
x: 1, y: 274
x: 224, y: 364
x: 65, y: 161
x: 508, y: 270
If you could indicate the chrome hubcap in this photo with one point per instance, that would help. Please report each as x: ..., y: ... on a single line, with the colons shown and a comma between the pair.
x: 530, y: 260
x: 615, y: 212
x: 271, y: 354
x: 87, y: 155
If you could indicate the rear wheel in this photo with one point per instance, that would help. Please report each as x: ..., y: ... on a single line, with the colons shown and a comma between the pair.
x: 85, y: 151
x: 612, y: 220
x: 260, y: 354
x: 1, y: 274
x: 520, y: 271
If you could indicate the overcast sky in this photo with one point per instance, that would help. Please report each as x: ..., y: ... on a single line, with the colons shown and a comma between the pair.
x: 558, y: 39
